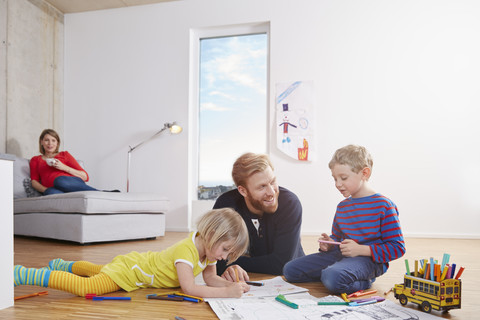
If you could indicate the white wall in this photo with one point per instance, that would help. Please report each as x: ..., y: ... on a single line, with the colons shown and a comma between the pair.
x: 6, y: 233
x: 400, y: 77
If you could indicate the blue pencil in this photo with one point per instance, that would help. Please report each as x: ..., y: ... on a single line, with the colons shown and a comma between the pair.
x: 111, y: 298
x: 445, y: 259
x: 432, y: 271
x: 453, y: 269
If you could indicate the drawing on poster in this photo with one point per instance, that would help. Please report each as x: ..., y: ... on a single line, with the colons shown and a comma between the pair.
x: 295, y: 114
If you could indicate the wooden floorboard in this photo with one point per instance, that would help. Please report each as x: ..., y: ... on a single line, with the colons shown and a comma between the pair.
x: 32, y: 252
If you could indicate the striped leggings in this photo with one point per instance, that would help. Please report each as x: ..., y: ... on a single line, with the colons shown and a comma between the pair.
x: 85, y: 278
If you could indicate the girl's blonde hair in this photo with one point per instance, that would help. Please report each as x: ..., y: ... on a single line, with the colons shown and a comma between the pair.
x: 219, y: 225
x: 357, y: 157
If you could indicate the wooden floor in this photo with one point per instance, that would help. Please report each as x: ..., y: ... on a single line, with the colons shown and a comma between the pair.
x: 33, y: 252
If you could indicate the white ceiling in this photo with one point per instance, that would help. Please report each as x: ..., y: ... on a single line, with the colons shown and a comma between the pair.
x: 72, y: 6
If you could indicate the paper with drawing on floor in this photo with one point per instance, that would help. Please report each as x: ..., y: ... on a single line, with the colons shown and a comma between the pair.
x: 267, y: 308
x: 271, y: 288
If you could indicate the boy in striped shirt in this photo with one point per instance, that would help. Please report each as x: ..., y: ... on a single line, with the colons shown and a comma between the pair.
x: 365, y: 224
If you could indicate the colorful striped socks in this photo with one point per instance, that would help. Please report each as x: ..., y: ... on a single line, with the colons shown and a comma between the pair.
x: 61, y: 265
x: 31, y: 276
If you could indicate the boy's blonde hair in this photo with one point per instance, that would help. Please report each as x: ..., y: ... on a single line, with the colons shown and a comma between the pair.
x: 247, y: 165
x: 219, y: 225
x: 357, y: 157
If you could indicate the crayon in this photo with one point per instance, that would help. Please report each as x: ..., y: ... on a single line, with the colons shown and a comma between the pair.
x: 236, y: 274
x: 432, y: 269
x: 344, y: 297
x: 377, y: 298
x: 356, y: 304
x: 155, y: 297
x: 460, y: 271
x: 449, y: 271
x: 183, y: 298
x: 416, y: 269
x: 42, y: 293
x: 361, y: 293
x: 329, y: 242
x: 188, y: 296
x: 407, y: 267
x: 281, y: 298
x: 427, y: 269
x: 444, y: 273
x: 191, y: 299
x: 93, y: 296
x: 96, y: 298
x: 453, y: 266
x: 446, y: 257
x: 333, y: 303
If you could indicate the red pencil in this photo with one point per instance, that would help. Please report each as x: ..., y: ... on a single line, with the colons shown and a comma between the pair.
x: 459, y: 273
x: 31, y: 295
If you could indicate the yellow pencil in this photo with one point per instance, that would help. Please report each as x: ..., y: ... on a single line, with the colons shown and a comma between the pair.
x: 444, y: 274
x: 236, y: 274
x: 186, y: 295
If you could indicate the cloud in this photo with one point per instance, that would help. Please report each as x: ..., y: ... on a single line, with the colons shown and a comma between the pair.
x: 241, y: 69
x: 223, y: 94
x: 236, y: 60
x: 208, y: 106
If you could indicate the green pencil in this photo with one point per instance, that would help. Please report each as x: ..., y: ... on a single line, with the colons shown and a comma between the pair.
x: 332, y: 303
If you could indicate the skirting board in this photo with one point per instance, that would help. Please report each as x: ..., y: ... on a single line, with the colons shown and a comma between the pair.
x: 87, y: 228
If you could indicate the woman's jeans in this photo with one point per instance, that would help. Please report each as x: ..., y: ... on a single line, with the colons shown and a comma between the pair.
x: 65, y: 184
x: 339, y: 274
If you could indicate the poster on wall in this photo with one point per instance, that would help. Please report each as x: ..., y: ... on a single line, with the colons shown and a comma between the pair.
x: 294, y: 115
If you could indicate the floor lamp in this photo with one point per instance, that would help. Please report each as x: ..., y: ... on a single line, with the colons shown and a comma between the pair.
x: 174, y: 129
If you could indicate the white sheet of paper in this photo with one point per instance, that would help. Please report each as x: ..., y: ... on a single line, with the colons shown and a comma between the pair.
x: 271, y: 288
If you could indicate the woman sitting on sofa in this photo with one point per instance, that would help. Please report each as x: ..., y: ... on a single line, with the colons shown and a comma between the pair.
x: 56, y: 172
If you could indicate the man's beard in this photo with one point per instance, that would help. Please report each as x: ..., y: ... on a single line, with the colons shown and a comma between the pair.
x: 258, y: 204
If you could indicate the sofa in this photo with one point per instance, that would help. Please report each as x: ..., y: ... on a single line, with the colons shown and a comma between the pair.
x: 86, y: 216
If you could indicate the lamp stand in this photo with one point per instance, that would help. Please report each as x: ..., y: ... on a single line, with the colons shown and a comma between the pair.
x: 173, y: 128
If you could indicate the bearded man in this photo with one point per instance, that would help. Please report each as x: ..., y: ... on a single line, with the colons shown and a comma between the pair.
x: 273, y: 216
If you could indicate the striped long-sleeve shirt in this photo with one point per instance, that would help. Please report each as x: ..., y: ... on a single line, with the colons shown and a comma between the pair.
x: 371, y: 221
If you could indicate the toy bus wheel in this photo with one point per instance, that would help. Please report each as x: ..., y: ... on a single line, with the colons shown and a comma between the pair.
x: 426, y: 306
x: 403, y: 299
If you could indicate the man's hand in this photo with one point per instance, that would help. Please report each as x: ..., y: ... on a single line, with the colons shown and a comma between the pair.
x: 231, y: 275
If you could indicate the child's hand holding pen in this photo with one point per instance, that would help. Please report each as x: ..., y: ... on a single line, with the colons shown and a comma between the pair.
x: 325, y: 243
x: 236, y: 289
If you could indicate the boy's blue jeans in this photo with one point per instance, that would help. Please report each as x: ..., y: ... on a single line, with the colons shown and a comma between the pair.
x: 338, y: 274
x: 65, y: 184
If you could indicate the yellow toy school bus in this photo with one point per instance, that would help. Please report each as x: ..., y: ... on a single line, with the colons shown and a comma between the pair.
x: 442, y: 296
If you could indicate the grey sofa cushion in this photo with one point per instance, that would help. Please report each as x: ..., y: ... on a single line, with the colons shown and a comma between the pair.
x: 94, y: 202
x: 31, y: 192
x: 21, y: 170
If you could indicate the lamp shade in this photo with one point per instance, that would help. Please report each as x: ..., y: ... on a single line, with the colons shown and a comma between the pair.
x: 175, y: 128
